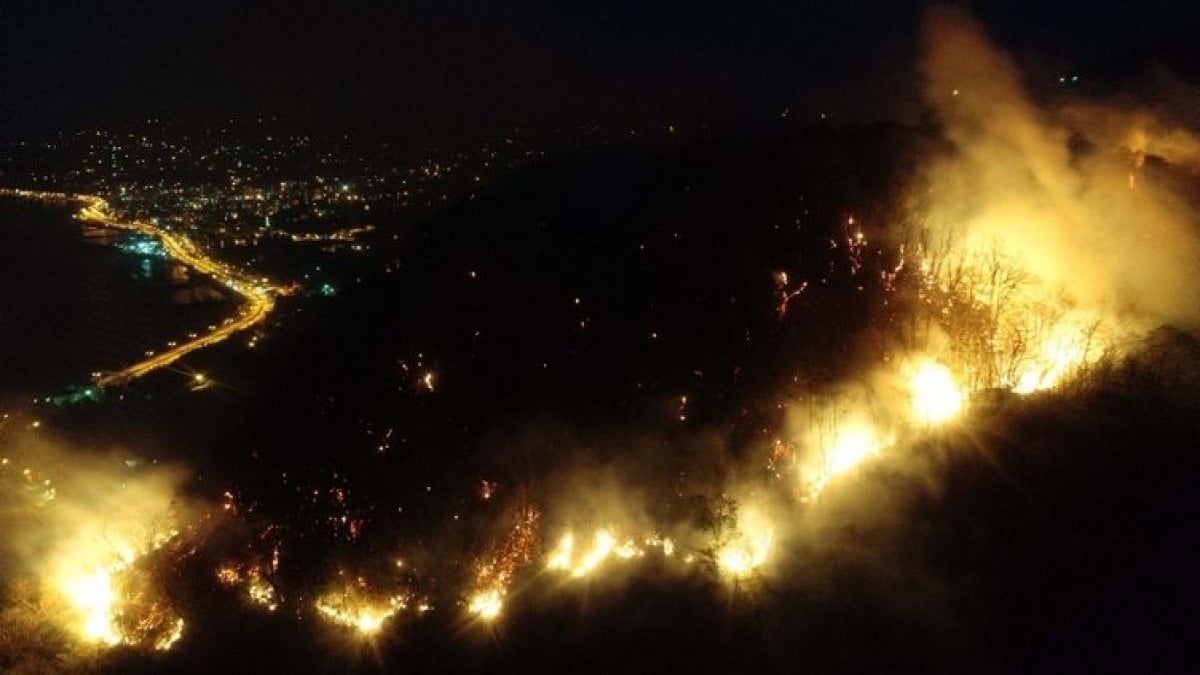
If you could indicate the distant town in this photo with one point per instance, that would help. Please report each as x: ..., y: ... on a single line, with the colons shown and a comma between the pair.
x: 242, y: 189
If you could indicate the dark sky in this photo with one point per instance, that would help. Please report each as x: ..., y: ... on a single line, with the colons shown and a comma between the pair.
x: 451, y: 67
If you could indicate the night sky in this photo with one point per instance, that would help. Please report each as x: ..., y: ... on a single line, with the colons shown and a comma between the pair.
x: 434, y: 70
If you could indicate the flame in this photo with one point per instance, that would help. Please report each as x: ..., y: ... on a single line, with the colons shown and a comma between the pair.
x: 171, y: 637
x: 261, y: 592
x: 94, y: 596
x: 605, y: 545
x: 486, y: 604
x: 852, y: 446
x: 228, y: 575
x: 560, y: 559
x: 98, y: 538
x: 854, y: 442
x: 1064, y: 352
x: 601, y: 548
x: 565, y: 559
x: 352, y: 610
x: 118, y: 604
x: 107, y: 579
x: 1007, y: 326
x: 935, y: 396
x: 511, y: 554
x: 749, y: 548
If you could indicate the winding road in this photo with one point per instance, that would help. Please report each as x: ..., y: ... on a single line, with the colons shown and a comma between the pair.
x: 258, y: 294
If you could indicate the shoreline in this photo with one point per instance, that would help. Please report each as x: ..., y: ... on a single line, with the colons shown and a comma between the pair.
x: 258, y: 294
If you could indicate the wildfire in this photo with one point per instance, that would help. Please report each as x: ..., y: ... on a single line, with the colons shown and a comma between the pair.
x: 494, y: 576
x: 935, y: 396
x: 357, y: 606
x: 785, y: 292
x: 94, y: 596
x: 259, y: 591
x: 1006, y: 325
x: 581, y: 561
x: 353, y: 610
x: 564, y: 557
x: 103, y: 536
x: 486, y: 604
x: 116, y: 600
x: 749, y: 548
x: 851, y: 447
x: 487, y: 489
x: 853, y: 442
x: 1063, y: 352
x: 1002, y: 294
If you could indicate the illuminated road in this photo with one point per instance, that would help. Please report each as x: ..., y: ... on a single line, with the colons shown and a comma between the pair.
x: 258, y: 293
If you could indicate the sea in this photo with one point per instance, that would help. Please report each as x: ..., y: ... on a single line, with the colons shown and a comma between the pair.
x: 76, y: 299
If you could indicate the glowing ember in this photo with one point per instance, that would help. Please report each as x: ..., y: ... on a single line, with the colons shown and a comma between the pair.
x: 486, y: 604
x: 171, y: 637
x: 487, y: 489
x: 785, y: 292
x: 627, y: 550
x: 936, y: 397
x: 664, y: 543
x: 493, y: 577
x: 228, y: 575
x: 352, y: 610
x: 261, y: 592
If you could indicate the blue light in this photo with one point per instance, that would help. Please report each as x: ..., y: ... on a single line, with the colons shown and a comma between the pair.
x: 144, y: 247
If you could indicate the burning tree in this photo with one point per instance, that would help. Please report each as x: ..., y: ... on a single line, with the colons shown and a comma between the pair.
x: 997, y: 323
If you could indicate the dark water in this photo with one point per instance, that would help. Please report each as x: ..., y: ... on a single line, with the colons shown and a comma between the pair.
x: 71, y: 302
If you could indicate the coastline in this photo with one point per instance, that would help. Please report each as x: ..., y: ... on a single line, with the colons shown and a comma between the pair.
x: 258, y: 294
